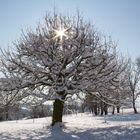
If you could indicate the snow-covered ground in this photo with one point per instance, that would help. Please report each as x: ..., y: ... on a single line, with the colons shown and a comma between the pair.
x: 85, y: 126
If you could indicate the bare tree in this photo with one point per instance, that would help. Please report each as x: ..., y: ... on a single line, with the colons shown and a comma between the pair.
x: 9, y: 100
x: 64, y: 57
x: 133, y: 80
x: 113, y: 93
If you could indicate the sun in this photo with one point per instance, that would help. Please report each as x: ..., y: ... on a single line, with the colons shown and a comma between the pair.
x: 60, y: 33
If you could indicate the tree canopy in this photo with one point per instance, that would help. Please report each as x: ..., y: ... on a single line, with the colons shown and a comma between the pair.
x: 64, y: 56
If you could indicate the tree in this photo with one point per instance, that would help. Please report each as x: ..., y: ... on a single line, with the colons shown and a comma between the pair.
x: 133, y: 81
x: 113, y: 94
x: 10, y: 100
x: 64, y: 57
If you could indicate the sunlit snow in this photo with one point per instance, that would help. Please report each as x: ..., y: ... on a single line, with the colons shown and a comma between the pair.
x: 82, y: 126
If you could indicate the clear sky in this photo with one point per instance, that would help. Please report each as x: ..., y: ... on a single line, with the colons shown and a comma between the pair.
x: 117, y: 18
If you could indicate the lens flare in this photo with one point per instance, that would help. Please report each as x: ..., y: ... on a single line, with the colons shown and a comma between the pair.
x: 60, y: 33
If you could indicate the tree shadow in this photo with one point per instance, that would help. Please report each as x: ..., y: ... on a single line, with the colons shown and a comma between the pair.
x: 108, y: 133
x: 24, y: 135
x: 126, y: 117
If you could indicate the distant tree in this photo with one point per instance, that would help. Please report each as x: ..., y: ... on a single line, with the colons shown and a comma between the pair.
x: 113, y: 93
x: 121, y: 92
x: 133, y: 81
x: 10, y: 100
x: 37, y: 107
x: 64, y: 57
x: 138, y: 62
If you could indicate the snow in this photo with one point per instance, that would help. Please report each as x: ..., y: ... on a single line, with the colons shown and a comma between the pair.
x: 82, y: 126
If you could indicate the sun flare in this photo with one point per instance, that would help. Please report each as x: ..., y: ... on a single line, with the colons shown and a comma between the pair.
x: 60, y: 33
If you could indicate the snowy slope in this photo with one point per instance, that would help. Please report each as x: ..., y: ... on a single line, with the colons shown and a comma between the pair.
x: 76, y: 127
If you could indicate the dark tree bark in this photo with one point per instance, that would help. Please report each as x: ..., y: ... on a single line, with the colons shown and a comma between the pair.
x: 135, y: 110
x: 118, y: 109
x: 133, y: 103
x: 113, y: 111
x: 134, y: 106
x: 95, y: 109
x: 105, y: 109
x: 102, y: 110
x: 57, y: 111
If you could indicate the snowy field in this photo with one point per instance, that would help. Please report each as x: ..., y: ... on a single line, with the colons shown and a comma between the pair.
x: 85, y: 126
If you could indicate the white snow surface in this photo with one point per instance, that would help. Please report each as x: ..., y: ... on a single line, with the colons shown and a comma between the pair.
x: 82, y: 126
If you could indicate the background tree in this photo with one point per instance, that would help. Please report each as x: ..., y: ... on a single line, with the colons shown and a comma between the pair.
x: 113, y: 93
x: 133, y: 81
x: 10, y: 101
x: 63, y: 57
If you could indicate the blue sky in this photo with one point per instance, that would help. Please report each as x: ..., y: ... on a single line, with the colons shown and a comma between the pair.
x: 118, y: 18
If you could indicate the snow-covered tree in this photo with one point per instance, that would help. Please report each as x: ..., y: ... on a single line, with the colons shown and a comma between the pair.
x: 133, y: 81
x: 64, y: 56
x: 10, y: 100
x: 113, y: 93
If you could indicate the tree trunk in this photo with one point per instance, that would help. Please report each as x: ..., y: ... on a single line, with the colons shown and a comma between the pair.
x: 102, y: 110
x: 113, y: 111
x: 105, y: 109
x: 95, y: 109
x: 118, y: 109
x: 135, y: 110
x: 134, y: 106
x: 57, y: 111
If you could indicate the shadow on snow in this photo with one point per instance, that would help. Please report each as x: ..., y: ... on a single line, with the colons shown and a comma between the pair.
x: 129, y: 117
x: 108, y: 133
